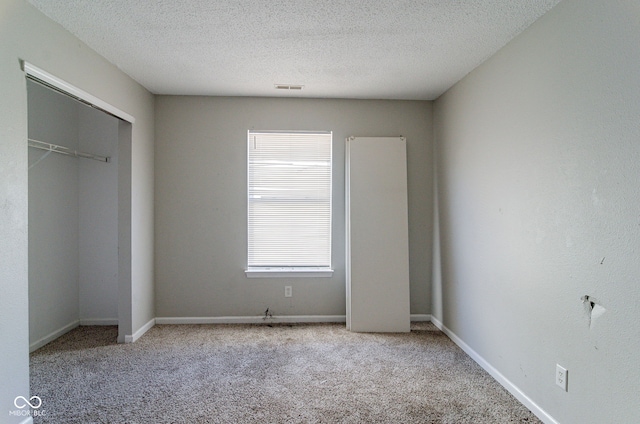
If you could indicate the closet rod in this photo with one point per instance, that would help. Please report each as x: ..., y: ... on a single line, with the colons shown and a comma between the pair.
x: 66, y: 151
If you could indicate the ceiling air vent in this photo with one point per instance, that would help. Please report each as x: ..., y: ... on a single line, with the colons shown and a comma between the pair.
x: 289, y: 86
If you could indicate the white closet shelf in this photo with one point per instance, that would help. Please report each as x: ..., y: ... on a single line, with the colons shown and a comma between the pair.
x: 66, y: 151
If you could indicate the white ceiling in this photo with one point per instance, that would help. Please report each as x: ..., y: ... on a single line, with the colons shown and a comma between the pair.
x: 376, y: 49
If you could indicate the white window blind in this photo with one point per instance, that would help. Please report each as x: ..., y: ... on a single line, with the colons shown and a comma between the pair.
x: 289, y: 199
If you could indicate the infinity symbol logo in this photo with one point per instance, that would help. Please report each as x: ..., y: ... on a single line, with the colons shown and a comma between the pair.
x: 35, y: 405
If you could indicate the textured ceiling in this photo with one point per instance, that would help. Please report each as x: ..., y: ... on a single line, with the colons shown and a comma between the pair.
x: 380, y: 49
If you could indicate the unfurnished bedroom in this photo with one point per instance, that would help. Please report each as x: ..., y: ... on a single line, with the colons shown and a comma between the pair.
x: 319, y: 211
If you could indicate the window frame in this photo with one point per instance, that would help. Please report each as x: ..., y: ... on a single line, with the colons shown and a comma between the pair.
x: 276, y: 271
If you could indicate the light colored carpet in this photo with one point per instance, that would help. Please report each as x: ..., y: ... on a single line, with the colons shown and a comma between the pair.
x: 311, y: 373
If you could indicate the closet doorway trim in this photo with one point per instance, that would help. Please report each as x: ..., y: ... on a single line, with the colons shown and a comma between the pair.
x: 43, y: 77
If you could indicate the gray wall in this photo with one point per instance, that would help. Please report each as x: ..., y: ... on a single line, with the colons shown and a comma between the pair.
x: 98, y: 218
x: 539, y: 203
x: 53, y: 214
x: 201, y: 239
x: 27, y: 34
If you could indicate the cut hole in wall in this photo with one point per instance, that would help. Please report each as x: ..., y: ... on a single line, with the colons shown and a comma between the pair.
x: 593, y: 309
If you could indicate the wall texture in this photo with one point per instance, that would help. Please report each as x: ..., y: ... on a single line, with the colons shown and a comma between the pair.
x: 27, y: 34
x: 539, y: 205
x: 201, y: 238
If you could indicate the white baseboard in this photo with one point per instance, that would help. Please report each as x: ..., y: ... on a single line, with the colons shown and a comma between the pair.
x: 251, y: 320
x: 420, y: 317
x: 511, y: 388
x: 260, y: 320
x: 99, y: 321
x: 135, y: 336
x: 52, y: 336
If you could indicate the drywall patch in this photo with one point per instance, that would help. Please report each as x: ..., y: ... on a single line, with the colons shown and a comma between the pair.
x: 593, y: 309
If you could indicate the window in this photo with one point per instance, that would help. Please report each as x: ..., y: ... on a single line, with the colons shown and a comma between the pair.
x: 289, y: 203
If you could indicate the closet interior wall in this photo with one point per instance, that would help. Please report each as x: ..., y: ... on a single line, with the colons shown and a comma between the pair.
x: 73, y: 217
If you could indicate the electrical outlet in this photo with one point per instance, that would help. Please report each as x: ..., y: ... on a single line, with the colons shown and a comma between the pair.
x: 288, y: 291
x: 561, y: 377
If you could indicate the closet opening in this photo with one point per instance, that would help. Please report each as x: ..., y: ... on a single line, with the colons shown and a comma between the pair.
x: 79, y: 212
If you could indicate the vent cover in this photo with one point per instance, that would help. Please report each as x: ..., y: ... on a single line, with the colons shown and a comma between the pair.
x: 288, y: 86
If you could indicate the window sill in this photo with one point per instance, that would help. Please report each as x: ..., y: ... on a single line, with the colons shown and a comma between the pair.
x: 288, y: 272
